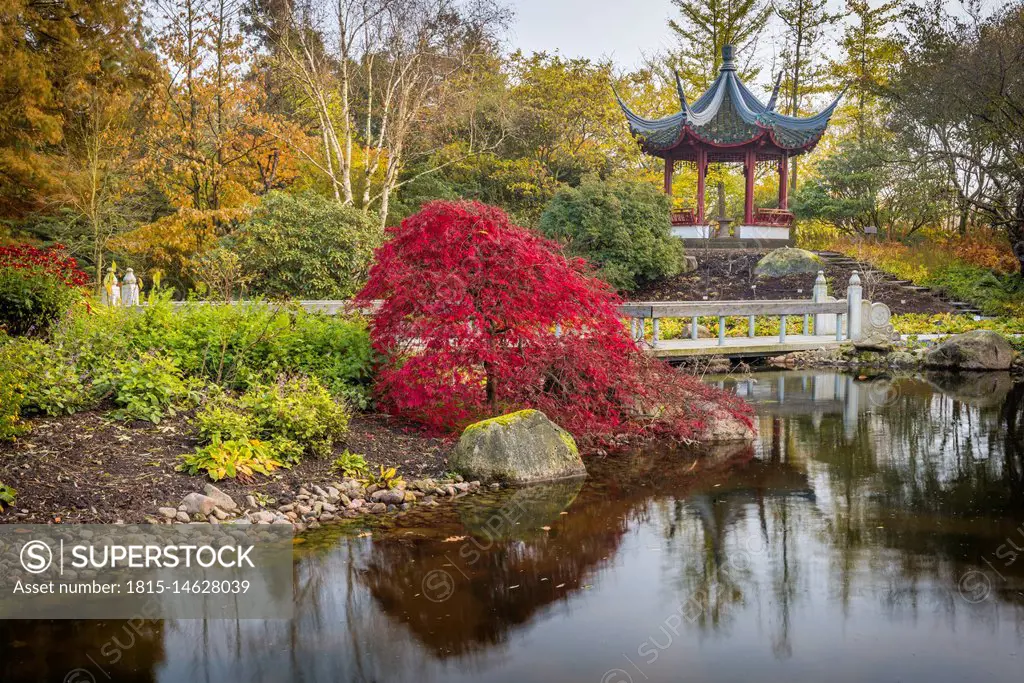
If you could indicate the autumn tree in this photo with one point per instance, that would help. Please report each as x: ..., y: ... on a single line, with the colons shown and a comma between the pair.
x: 479, y: 317
x: 705, y: 26
x: 957, y: 104
x: 98, y: 165
x: 870, y: 50
x: 51, y: 54
x: 803, y: 69
x: 366, y: 73
x: 212, y: 144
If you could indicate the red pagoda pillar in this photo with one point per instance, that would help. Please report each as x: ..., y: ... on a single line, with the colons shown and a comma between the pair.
x: 748, y: 193
x: 668, y: 176
x: 702, y: 162
x: 784, y: 182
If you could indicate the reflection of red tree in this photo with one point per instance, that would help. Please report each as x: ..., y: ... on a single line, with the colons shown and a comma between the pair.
x: 501, y: 585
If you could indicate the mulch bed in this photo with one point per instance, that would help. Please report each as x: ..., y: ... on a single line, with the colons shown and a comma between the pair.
x: 726, y: 274
x: 88, y: 468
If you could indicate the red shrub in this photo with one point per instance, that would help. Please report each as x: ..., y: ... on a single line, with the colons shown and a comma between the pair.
x: 471, y: 304
x: 52, y: 261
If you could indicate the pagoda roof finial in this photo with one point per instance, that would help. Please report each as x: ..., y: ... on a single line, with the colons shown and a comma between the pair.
x: 727, y: 58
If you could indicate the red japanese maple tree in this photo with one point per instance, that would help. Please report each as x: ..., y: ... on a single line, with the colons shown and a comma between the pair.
x: 480, y: 317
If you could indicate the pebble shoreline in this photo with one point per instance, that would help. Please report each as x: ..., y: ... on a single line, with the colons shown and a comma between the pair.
x: 314, y: 505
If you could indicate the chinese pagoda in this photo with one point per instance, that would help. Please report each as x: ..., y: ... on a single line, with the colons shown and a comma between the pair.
x: 729, y: 124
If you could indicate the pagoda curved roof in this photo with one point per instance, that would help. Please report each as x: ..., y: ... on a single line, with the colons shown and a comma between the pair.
x: 728, y: 115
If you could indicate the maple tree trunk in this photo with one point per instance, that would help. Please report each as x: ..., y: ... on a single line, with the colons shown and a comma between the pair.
x: 490, y: 387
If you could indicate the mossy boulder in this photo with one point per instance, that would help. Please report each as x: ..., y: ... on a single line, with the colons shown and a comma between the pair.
x: 974, y: 350
x: 517, y: 448
x: 788, y: 261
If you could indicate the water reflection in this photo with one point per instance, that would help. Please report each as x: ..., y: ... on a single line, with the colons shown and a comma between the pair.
x: 871, y: 533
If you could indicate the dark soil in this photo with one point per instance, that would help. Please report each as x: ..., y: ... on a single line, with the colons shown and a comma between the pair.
x: 724, y: 274
x: 88, y: 468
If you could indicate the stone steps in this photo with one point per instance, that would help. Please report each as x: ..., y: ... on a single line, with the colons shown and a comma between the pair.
x: 833, y: 258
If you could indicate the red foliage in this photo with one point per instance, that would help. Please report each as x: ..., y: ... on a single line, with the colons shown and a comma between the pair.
x: 54, y: 261
x: 467, y: 329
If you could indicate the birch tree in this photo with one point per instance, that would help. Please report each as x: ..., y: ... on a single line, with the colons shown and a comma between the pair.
x: 367, y: 74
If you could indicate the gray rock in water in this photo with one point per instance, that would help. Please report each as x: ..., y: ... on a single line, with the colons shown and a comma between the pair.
x: 223, y: 500
x: 197, y: 503
x: 388, y: 497
x: 263, y: 517
x: 519, y: 447
x: 788, y: 261
x: 974, y: 350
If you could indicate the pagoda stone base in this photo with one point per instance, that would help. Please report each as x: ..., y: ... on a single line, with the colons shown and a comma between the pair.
x: 762, y: 232
x: 692, y: 232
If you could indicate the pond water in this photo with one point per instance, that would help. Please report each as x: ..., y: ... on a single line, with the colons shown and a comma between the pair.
x: 870, y: 534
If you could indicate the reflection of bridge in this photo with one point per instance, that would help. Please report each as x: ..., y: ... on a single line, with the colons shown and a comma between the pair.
x: 812, y: 393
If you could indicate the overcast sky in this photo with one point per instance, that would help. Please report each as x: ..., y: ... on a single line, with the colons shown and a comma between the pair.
x: 620, y: 29
x: 625, y: 30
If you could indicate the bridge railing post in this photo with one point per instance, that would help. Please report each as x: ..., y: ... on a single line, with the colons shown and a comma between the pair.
x: 854, y: 295
x: 819, y: 294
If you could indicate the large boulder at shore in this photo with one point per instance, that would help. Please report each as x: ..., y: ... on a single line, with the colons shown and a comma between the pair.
x: 722, y: 425
x: 974, y: 350
x: 517, y: 448
x: 788, y: 261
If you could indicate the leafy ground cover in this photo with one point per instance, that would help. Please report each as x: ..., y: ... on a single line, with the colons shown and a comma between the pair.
x: 978, y: 268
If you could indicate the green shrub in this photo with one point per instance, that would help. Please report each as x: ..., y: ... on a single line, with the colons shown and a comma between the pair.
x: 220, y: 419
x: 53, y: 384
x: 307, y: 246
x: 37, y: 286
x: 621, y: 227
x: 232, y: 345
x: 350, y: 464
x: 298, y: 409
x: 234, y: 458
x: 270, y: 425
x: 146, y: 388
x: 31, y: 302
